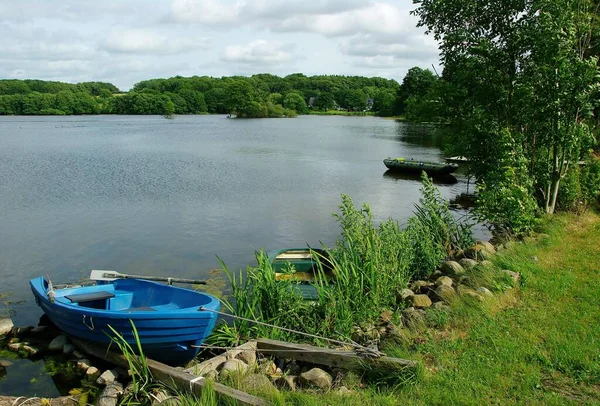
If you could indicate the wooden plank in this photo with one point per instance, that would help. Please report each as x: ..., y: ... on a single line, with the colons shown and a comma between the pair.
x: 326, y: 356
x: 172, y: 376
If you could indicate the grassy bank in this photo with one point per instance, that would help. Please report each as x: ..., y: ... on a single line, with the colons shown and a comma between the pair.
x: 536, y: 345
x: 340, y: 113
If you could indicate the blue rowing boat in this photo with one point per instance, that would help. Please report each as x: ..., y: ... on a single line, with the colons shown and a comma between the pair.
x: 168, y: 319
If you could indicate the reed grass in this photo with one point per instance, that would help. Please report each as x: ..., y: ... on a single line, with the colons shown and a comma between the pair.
x: 370, y: 265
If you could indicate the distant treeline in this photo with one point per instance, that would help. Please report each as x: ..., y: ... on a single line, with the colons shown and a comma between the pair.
x: 261, y: 95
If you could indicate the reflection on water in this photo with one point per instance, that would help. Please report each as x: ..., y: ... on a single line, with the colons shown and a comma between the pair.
x: 444, y: 179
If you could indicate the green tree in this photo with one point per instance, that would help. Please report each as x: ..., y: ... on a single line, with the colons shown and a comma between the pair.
x: 295, y: 101
x: 416, y: 84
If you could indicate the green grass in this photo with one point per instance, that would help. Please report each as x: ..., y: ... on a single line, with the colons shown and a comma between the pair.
x: 340, y: 113
x: 536, y: 345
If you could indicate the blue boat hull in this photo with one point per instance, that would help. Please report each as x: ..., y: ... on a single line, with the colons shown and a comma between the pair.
x: 167, y: 318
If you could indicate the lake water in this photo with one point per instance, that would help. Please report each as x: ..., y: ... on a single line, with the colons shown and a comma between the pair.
x: 147, y: 195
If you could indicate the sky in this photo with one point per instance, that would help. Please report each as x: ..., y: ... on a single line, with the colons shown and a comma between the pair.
x: 126, y: 41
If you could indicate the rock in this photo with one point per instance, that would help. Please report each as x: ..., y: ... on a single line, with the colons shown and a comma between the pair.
x: 258, y: 382
x: 444, y: 293
x: 249, y: 357
x: 474, y: 295
x: 468, y: 263
x: 110, y: 394
x: 421, y: 286
x: 478, y: 252
x: 343, y: 391
x: 421, y: 301
x: 39, y: 330
x: 452, y: 268
x: 535, y: 258
x: 293, y: 368
x: 31, y: 351
x: 268, y: 367
x: 233, y: 365
x: 6, y: 326
x: 212, y: 374
x: 92, y: 373
x: 4, y: 363
x: 386, y: 316
x: 286, y: 382
x: 515, y: 276
x: 20, y: 331
x: 161, y: 397
x: 14, y: 347
x: 412, y: 317
x: 77, y: 354
x: 315, y: 377
x: 68, y: 349
x: 404, y: 295
x: 14, y: 340
x: 441, y: 306
x: 107, y: 377
x: 484, y: 291
x: 58, y: 343
x: 444, y: 280
x: 487, y: 245
x: 83, y: 364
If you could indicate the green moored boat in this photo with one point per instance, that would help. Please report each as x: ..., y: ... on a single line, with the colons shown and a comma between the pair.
x: 431, y: 168
x: 298, y: 265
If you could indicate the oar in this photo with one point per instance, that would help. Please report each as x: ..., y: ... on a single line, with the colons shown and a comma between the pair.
x: 100, y: 275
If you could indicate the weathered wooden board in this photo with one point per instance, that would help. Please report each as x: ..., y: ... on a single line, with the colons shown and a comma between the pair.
x: 326, y: 356
x: 172, y: 376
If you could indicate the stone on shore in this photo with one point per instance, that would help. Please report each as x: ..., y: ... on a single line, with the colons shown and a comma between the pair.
x: 484, y: 291
x: 258, y: 382
x: 83, y: 364
x: 479, y: 252
x: 316, y: 377
x: 444, y: 280
x: 420, y: 301
x: 444, y: 292
x: 108, y: 376
x: 487, y: 245
x: 110, y: 394
x: 468, y: 263
x: 233, y: 365
x: 68, y: 349
x: 287, y: 383
x: 92, y: 373
x: 452, y: 268
x: 515, y: 276
x: 249, y: 357
x: 6, y: 326
x: 58, y: 343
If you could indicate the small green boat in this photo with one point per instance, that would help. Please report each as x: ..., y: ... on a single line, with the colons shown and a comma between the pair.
x: 431, y: 168
x: 298, y: 265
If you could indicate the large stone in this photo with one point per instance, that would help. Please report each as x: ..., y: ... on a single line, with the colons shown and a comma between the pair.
x: 444, y: 280
x: 487, y: 245
x: 286, y: 382
x: 515, y: 276
x: 258, y: 382
x: 468, y: 263
x: 68, y: 349
x: 83, y: 364
x: 412, y: 317
x: 444, y: 292
x: 6, y: 326
x: 343, y: 391
x: 110, y: 394
x: 4, y: 363
x: 233, y: 365
x: 58, y: 343
x: 29, y: 349
x: 249, y: 357
x: 441, y: 306
x: 14, y: 347
x: 404, y: 295
x: 107, y: 377
x: 484, y: 291
x: 316, y: 377
x: 421, y: 301
x: 452, y: 268
x: 92, y: 373
x: 478, y: 252
x: 212, y: 374
x: 421, y: 286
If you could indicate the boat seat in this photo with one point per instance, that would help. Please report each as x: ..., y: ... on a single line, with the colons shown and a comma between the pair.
x: 89, y: 297
x: 140, y: 309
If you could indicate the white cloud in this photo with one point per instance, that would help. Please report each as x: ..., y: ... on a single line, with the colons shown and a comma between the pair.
x: 204, y: 11
x: 375, y: 18
x: 259, y: 52
x: 408, y: 46
x: 148, y: 41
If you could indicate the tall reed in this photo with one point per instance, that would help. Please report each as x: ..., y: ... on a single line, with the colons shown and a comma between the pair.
x: 370, y: 264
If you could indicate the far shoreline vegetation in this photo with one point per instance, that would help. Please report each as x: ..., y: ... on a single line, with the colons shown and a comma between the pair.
x: 258, y: 96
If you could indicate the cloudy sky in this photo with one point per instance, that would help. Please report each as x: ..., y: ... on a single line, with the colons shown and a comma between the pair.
x: 125, y: 41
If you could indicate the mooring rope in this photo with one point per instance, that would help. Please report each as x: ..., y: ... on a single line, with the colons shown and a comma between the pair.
x: 359, y: 349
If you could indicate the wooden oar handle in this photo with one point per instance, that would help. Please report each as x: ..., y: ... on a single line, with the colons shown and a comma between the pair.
x: 156, y: 278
